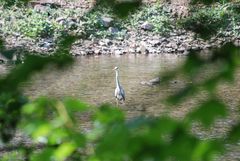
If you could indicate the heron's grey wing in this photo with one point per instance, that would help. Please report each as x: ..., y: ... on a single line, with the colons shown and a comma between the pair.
x: 123, y: 93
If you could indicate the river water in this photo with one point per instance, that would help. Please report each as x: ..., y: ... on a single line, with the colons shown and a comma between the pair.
x: 92, y: 80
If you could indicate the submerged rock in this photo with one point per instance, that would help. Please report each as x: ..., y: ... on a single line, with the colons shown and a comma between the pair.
x: 151, y: 82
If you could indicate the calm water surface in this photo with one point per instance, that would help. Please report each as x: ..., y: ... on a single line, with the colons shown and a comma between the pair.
x: 92, y: 80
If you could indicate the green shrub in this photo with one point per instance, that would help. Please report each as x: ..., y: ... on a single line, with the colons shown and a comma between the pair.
x: 13, y: 2
x: 212, y: 20
x: 154, y: 14
x: 37, y: 26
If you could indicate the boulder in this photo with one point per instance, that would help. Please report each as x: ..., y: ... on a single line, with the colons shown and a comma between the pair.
x: 151, y: 82
x: 113, y: 30
x: 147, y: 26
x: 106, y: 21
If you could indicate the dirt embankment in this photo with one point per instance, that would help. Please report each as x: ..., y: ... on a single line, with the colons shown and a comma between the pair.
x: 138, y: 40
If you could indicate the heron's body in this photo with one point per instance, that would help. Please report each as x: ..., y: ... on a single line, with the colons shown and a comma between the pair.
x: 120, y: 94
x: 119, y: 91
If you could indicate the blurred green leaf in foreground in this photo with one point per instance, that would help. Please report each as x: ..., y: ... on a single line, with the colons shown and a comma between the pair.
x: 57, y: 134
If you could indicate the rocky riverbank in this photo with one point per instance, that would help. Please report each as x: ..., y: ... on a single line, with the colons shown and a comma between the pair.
x: 137, y: 36
x: 179, y: 42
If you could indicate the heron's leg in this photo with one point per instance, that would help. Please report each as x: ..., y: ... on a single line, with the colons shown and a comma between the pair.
x: 117, y: 102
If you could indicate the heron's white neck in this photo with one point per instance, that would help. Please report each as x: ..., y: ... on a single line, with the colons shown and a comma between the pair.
x: 117, y: 80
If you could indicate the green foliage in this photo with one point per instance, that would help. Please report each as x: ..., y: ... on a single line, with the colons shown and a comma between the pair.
x: 153, y: 138
x: 208, y: 111
x: 213, y: 108
x: 42, y: 117
x: 10, y: 3
x: 11, y: 99
x: 52, y: 123
x: 211, y: 20
x: 114, y: 138
x: 154, y: 14
x: 234, y: 134
x: 209, y: 1
x: 54, y: 22
x: 208, y: 20
x: 221, y: 19
x: 37, y: 25
x: 12, y: 156
x: 195, y: 65
x: 92, y: 26
x: 11, y: 103
x: 120, y: 8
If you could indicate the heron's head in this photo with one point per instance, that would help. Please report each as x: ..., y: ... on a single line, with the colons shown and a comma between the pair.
x: 116, y: 68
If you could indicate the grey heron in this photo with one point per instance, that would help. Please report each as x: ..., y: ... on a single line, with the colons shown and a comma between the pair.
x: 119, y: 91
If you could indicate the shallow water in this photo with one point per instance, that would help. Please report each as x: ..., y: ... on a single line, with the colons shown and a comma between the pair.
x: 92, y: 80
